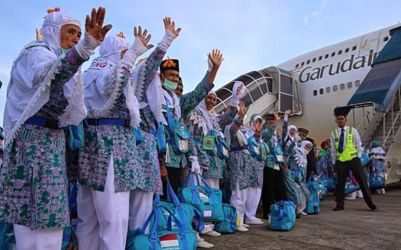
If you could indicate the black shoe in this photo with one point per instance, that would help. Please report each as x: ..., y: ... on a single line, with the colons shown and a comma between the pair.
x: 266, y: 216
x: 372, y: 207
x: 338, y: 208
x: 298, y: 216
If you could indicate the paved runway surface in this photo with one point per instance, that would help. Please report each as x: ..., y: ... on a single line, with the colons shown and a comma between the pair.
x: 354, y: 228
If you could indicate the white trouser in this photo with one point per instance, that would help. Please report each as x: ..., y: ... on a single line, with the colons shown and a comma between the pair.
x: 213, y: 183
x: 140, y: 207
x: 246, y: 201
x: 44, y: 239
x: 103, y: 216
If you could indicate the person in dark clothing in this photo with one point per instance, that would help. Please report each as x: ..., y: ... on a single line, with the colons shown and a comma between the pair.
x: 346, y: 151
x: 273, y: 188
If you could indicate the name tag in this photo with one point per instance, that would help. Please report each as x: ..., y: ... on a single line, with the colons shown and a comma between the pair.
x: 183, y: 144
x: 207, y: 213
x: 208, y: 142
x: 280, y: 158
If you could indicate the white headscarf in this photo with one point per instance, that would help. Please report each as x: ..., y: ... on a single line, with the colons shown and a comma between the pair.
x: 301, y: 153
x: 111, y: 48
x: 31, y: 76
x: 208, y: 120
x: 290, y: 127
x: 51, y: 29
x: 103, y: 70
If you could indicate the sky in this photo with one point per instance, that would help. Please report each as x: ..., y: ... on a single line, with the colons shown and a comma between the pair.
x: 252, y: 34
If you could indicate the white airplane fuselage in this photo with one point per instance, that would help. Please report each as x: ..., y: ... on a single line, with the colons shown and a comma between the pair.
x: 328, y: 77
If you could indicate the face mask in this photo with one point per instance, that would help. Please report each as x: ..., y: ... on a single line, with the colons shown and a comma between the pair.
x: 297, y: 137
x: 170, y: 85
x: 64, y: 51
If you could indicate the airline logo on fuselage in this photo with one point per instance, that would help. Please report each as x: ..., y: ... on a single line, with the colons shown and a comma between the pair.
x: 352, y: 63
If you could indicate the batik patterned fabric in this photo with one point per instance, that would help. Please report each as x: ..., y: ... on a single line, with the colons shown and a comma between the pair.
x: 101, y: 142
x: 294, y: 190
x: 294, y: 179
x: 213, y: 164
x: 33, y: 179
x: 244, y: 170
x: 269, y: 137
x: 104, y: 141
x: 149, y: 169
x: 33, y: 182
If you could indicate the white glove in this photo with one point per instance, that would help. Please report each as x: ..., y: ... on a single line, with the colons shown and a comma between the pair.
x: 138, y: 47
x: 167, y: 40
x: 237, y: 96
x: 195, y: 167
x: 86, y: 47
x: 136, y: 50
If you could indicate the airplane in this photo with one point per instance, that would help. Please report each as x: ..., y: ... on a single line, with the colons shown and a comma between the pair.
x: 313, y: 84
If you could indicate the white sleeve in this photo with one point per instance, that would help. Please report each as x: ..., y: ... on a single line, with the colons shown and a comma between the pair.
x: 357, y: 141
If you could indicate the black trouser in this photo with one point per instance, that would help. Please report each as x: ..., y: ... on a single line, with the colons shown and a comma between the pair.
x: 342, y: 170
x: 175, y: 177
x: 273, y: 188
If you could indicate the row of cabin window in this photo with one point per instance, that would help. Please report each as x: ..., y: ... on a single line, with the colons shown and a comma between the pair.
x: 335, y: 88
x: 385, y: 39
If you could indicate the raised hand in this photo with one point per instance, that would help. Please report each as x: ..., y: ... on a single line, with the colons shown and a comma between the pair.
x: 242, y: 110
x: 94, y: 24
x: 169, y: 25
x: 288, y: 112
x: 277, y: 117
x: 216, y: 58
x: 238, y: 92
x: 143, y: 37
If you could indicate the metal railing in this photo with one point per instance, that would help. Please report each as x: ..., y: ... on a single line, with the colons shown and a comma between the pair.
x: 390, y: 134
x: 222, y: 104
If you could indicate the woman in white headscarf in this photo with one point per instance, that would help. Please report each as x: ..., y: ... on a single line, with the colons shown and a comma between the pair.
x: 207, y: 128
x: 206, y: 124
x: 295, y: 176
x: 109, y: 164
x: 245, y: 167
x: 42, y: 97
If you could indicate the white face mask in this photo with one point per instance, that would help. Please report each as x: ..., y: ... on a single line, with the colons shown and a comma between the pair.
x: 297, y: 137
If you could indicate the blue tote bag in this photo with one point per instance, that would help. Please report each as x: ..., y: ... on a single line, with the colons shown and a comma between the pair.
x: 229, y: 224
x: 205, y: 200
x: 282, y: 216
x: 159, y: 238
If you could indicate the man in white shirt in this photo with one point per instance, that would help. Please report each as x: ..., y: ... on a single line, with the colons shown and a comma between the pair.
x: 346, y: 150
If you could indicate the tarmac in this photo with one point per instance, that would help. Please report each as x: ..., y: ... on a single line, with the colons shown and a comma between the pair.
x: 357, y: 227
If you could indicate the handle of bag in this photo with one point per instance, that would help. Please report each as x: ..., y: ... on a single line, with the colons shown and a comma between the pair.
x: 194, y: 191
x: 153, y: 232
x: 206, y: 185
x: 171, y: 196
x: 179, y: 220
x: 281, y: 213
x: 209, y: 191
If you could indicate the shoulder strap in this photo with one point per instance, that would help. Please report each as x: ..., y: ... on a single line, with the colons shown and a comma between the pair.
x: 38, y: 44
